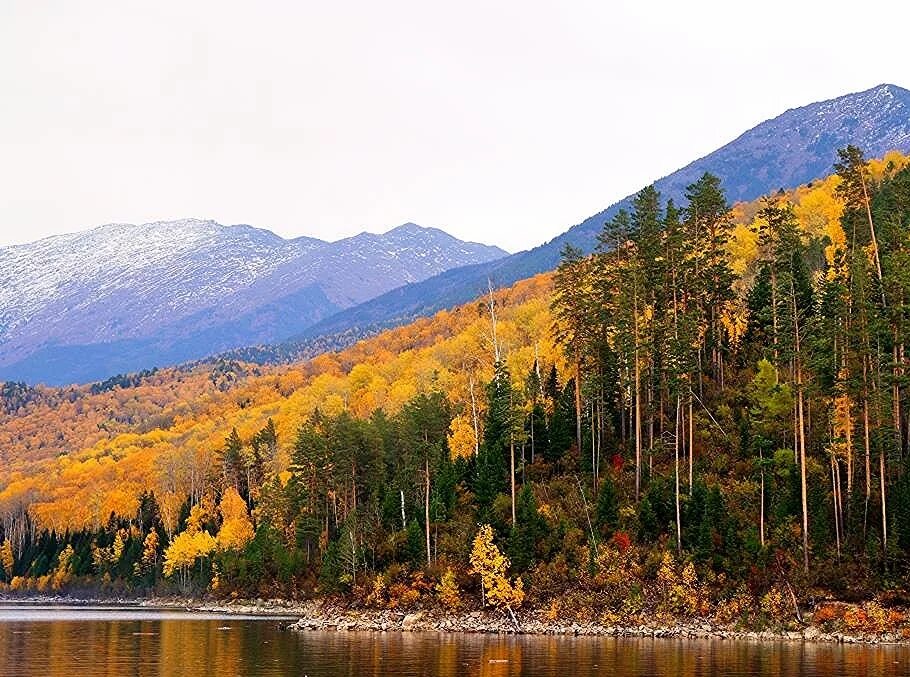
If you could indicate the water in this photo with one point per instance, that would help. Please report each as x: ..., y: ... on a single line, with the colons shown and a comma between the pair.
x: 83, y: 642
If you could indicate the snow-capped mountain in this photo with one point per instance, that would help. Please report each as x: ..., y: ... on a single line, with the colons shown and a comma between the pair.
x: 124, y: 297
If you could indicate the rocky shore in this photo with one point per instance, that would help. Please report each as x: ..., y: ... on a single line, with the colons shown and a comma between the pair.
x: 326, y: 616
x: 531, y: 624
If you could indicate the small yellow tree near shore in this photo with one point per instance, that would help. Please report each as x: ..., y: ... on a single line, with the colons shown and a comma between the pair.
x: 7, y: 560
x: 492, y: 566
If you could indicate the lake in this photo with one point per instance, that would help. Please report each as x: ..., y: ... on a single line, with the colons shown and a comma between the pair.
x: 88, y: 641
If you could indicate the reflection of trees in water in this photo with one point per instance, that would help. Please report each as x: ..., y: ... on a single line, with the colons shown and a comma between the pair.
x: 198, y: 648
x: 501, y: 658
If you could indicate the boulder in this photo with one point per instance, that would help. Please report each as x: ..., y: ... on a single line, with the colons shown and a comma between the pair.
x: 411, y: 620
x: 811, y: 633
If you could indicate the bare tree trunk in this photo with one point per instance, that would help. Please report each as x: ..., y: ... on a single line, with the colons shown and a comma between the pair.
x: 426, y: 504
x: 774, y: 314
x: 532, y: 441
x: 587, y: 514
x: 512, y: 473
x: 594, y: 446
x: 881, y: 472
x: 496, y: 354
x: 578, y: 402
x: 801, y: 430
x: 802, y: 471
x: 867, y: 445
x: 691, y: 447
x: 761, y: 514
x: 474, y: 416
x: 676, y: 475
x: 875, y: 256
x: 637, y: 414
x: 404, y: 521
x: 834, y: 491
x: 896, y: 393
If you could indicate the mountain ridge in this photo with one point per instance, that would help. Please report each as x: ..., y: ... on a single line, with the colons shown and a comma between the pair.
x: 127, y: 297
x: 876, y: 119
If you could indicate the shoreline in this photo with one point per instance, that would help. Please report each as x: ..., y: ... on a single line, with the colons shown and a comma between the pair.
x: 323, y: 616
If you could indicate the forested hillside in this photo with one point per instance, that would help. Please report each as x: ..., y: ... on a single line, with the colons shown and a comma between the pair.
x: 707, y: 416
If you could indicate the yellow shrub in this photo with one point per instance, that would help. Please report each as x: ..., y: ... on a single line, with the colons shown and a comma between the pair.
x: 871, y: 617
x: 776, y: 605
x: 679, y: 590
x: 447, y: 591
x: 734, y: 609
x: 402, y: 596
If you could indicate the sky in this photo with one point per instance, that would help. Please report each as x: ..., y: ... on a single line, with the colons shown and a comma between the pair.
x: 501, y: 122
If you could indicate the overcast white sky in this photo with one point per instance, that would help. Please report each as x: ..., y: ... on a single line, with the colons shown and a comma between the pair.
x: 503, y: 122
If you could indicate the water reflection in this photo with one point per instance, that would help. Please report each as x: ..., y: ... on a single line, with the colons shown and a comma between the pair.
x: 145, y: 642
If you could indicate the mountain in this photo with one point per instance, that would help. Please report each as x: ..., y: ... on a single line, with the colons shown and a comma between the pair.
x: 794, y: 148
x: 125, y: 297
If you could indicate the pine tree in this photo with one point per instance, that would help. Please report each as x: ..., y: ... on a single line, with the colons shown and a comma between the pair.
x: 491, y: 476
x: 607, y: 506
x: 529, y: 530
x: 232, y: 463
x: 572, y: 307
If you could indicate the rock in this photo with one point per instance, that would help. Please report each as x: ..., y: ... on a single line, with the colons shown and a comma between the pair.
x: 811, y: 633
x: 410, y: 620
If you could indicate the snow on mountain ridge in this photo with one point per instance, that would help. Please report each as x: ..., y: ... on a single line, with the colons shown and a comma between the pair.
x: 123, y: 282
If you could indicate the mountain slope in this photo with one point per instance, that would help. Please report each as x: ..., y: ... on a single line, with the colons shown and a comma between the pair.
x: 124, y: 297
x: 115, y: 440
x: 794, y: 148
x: 78, y: 453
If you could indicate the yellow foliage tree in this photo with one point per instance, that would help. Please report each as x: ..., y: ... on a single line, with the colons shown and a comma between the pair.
x: 7, y: 559
x: 679, y: 589
x: 492, y: 567
x: 149, y: 560
x: 200, y: 514
x: 236, y: 528
x: 188, y: 546
x: 118, y: 545
x: 461, y: 437
x: 185, y: 549
x: 64, y: 569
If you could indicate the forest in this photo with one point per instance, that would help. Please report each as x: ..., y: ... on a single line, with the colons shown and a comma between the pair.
x: 708, y: 416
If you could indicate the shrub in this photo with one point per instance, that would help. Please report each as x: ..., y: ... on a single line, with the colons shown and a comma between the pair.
x: 828, y: 614
x: 377, y: 595
x: 776, y: 605
x: 622, y: 541
x: 679, y: 591
x: 447, y: 591
x: 734, y: 610
x: 870, y: 617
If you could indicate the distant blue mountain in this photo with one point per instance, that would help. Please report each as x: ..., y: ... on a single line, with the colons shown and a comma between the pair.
x: 123, y: 297
x: 794, y: 148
